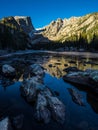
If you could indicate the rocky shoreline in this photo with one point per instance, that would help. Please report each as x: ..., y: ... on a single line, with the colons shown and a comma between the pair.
x: 47, y: 105
x: 87, y: 78
x: 4, y: 54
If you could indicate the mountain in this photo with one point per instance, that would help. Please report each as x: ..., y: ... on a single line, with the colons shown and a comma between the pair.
x: 25, y: 23
x: 75, y: 30
x: 14, y: 32
x: 63, y: 29
x: 78, y: 32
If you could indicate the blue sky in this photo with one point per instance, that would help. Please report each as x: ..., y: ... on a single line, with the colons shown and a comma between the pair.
x: 43, y: 12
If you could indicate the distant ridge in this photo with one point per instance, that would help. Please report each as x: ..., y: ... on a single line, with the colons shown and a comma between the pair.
x: 77, y: 32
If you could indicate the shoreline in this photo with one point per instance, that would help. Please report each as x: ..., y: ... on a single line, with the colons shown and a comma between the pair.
x: 68, y: 53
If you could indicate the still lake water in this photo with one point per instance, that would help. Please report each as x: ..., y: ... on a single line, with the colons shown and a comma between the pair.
x: 77, y: 117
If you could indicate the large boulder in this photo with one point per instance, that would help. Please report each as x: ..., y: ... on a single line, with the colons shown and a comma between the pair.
x: 34, y: 70
x: 8, y: 70
x: 76, y: 97
x: 87, y: 78
x: 33, y: 89
x: 30, y: 87
x: 47, y: 92
x: 46, y: 103
x: 25, y: 23
x: 37, y: 70
x: 57, y: 109
x: 5, y: 124
x: 42, y: 112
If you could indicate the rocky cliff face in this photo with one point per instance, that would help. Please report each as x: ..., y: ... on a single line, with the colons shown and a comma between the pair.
x: 79, y: 31
x: 63, y: 30
x: 14, y: 34
x: 25, y: 23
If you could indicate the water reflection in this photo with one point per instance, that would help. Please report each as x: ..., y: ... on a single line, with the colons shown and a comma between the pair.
x: 55, y: 65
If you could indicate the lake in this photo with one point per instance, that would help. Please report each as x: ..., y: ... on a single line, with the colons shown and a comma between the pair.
x: 77, y: 117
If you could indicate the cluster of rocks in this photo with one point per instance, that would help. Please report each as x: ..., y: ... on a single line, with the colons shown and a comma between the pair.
x: 88, y: 78
x: 33, y: 89
x: 47, y: 105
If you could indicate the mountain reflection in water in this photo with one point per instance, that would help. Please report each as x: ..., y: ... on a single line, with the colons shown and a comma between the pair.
x: 56, y: 65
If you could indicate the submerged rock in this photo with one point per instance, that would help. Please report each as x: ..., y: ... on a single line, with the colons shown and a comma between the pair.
x: 42, y: 114
x: 57, y: 109
x: 6, y: 82
x: 5, y: 124
x: 18, y: 121
x: 76, y: 97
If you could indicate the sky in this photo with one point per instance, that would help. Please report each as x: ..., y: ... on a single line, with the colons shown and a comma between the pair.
x: 42, y: 12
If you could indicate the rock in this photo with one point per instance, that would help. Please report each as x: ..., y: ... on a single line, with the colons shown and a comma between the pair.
x: 8, y: 70
x: 62, y: 30
x: 76, y: 97
x: 5, y: 124
x: 30, y: 87
x: 37, y: 70
x: 26, y: 73
x: 18, y: 121
x: 74, y: 74
x: 87, y: 72
x: 25, y: 23
x: 94, y: 76
x: 87, y: 78
x: 47, y: 104
x: 47, y: 92
x: 71, y: 69
x: 42, y: 114
x: 33, y: 89
x: 57, y: 109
